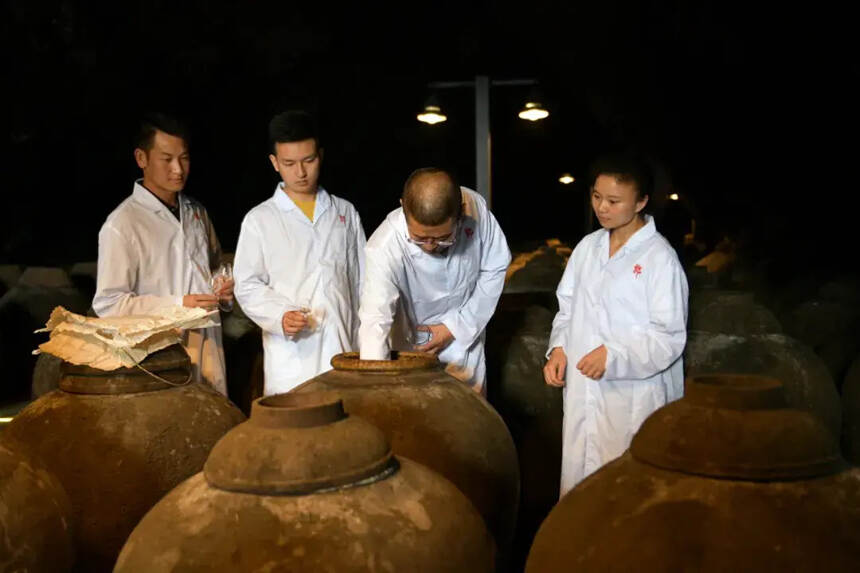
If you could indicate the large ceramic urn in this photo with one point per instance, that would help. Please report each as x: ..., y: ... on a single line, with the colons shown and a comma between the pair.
x: 304, y: 486
x: 830, y: 327
x: 434, y: 419
x: 730, y: 312
x: 25, y: 308
x: 726, y: 479
x: 808, y: 384
x: 517, y: 340
x: 35, y: 517
x: 119, y: 440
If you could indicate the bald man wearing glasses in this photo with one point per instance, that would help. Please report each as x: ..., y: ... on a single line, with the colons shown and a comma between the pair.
x: 434, y: 271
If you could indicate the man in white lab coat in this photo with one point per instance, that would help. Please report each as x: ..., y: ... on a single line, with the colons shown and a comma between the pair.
x: 299, y: 262
x: 435, y: 266
x: 158, y: 247
x: 617, y: 340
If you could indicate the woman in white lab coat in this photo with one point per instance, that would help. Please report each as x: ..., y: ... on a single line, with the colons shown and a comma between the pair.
x: 617, y: 339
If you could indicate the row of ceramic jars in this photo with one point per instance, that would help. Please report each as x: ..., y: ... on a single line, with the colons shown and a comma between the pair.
x: 320, y: 490
x: 119, y: 441
x: 115, y: 443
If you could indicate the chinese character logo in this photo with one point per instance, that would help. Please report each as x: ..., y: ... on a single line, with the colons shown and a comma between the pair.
x: 469, y: 232
x: 342, y: 219
x: 637, y: 270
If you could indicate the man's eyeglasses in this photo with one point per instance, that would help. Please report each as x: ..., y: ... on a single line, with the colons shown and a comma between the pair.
x: 444, y: 243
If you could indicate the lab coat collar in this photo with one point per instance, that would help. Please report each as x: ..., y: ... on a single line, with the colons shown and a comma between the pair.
x: 147, y: 199
x: 284, y: 203
x: 646, y: 232
x: 643, y: 234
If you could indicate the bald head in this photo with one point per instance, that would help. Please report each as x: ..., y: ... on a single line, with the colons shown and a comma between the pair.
x: 431, y: 196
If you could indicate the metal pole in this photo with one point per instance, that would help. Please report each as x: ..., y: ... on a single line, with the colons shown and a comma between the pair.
x: 483, y: 183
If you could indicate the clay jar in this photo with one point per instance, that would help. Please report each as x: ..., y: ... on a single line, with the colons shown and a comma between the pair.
x: 730, y: 312
x: 726, y: 479
x: 808, y: 384
x: 303, y: 486
x: 119, y: 440
x: 517, y: 340
x: 35, y: 517
x: 434, y: 419
x: 26, y: 307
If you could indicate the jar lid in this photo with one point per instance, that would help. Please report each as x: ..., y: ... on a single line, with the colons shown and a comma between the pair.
x: 299, y: 444
x: 739, y: 427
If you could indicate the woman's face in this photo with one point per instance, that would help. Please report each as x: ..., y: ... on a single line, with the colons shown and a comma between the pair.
x: 615, y: 204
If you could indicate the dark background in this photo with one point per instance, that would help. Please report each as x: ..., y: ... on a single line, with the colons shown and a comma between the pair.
x: 747, y: 112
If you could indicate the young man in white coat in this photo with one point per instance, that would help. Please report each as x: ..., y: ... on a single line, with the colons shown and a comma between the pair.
x: 617, y: 340
x: 158, y: 247
x: 435, y: 266
x: 299, y: 262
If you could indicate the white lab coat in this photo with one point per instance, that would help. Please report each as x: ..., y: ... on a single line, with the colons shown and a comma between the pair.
x: 148, y: 260
x: 406, y: 287
x: 285, y: 262
x: 636, y: 305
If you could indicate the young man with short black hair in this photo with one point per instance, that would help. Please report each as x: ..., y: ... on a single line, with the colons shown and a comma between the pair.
x: 299, y: 262
x: 158, y: 247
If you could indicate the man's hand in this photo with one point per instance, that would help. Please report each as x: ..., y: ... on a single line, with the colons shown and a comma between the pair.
x: 225, y: 290
x: 593, y: 364
x: 293, y: 322
x: 440, y: 337
x: 553, y: 371
x: 207, y: 301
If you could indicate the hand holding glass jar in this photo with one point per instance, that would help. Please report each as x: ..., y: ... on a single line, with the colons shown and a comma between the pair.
x: 221, y: 282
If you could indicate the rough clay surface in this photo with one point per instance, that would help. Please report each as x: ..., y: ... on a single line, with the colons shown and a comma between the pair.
x: 432, y: 418
x: 412, y: 521
x: 517, y: 339
x: 808, y: 384
x: 35, y: 517
x: 728, y: 312
x: 116, y: 455
x: 46, y: 374
x: 630, y: 516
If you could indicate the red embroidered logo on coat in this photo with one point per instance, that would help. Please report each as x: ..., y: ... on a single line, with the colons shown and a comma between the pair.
x: 196, y: 216
x: 342, y: 219
x: 468, y: 232
x: 637, y: 270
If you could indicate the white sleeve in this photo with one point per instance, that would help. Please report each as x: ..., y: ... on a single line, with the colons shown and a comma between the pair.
x: 379, y: 296
x: 564, y: 294
x: 468, y: 322
x: 259, y: 301
x: 358, y: 282
x: 642, y: 352
x: 116, y: 278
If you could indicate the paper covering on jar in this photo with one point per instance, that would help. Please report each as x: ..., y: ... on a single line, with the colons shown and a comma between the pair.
x: 118, y: 341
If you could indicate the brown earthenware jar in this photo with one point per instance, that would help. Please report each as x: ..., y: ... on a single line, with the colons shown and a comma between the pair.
x: 434, y: 419
x: 726, y: 479
x: 119, y: 440
x: 807, y: 382
x: 303, y: 486
x: 35, y: 517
